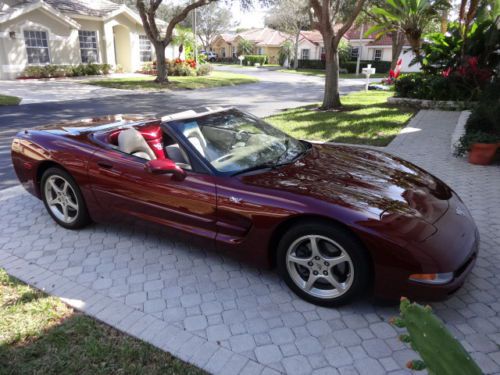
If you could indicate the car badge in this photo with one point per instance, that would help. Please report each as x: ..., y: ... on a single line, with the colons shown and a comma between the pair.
x: 235, y: 200
x: 460, y: 212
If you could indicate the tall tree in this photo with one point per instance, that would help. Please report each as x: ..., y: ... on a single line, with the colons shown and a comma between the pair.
x: 148, y: 12
x: 411, y: 17
x: 290, y: 16
x: 212, y: 20
x: 333, y: 18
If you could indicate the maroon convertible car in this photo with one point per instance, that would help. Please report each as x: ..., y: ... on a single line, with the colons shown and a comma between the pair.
x: 334, y: 220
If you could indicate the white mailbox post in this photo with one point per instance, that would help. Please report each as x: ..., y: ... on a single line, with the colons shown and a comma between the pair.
x: 368, y: 71
x: 241, y: 58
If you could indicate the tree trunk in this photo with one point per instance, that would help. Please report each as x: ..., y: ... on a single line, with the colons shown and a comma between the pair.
x: 296, y: 59
x: 331, y: 100
x: 161, y: 66
x: 397, y: 47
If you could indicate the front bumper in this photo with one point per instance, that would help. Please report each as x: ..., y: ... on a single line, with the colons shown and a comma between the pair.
x: 432, y: 292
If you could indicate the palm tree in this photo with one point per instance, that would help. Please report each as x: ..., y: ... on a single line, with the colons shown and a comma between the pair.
x: 245, y: 47
x: 408, y: 16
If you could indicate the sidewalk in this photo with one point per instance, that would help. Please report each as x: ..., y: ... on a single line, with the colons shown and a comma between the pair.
x: 229, y: 318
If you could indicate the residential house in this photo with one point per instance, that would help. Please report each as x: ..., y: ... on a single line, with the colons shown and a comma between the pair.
x: 311, y: 46
x: 266, y: 41
x: 40, y: 32
x: 223, y: 45
x: 370, y: 48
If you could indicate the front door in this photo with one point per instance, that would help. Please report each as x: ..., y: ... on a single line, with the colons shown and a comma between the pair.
x: 124, y: 188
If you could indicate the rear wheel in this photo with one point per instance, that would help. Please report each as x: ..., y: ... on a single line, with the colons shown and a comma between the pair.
x: 63, y: 199
x: 323, y: 264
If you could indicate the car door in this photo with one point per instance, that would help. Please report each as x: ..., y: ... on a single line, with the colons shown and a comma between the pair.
x: 125, y: 189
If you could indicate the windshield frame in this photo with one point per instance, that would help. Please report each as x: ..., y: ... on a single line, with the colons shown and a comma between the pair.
x: 175, y: 127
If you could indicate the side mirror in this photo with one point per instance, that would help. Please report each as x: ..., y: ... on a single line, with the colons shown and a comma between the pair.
x: 165, y: 166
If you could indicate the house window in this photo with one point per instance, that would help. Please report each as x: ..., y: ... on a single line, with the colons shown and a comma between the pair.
x: 223, y: 52
x: 234, y: 51
x: 88, y: 46
x: 145, y: 48
x: 37, y: 47
x: 260, y: 51
x: 354, y: 53
x: 304, y: 55
x: 377, y: 55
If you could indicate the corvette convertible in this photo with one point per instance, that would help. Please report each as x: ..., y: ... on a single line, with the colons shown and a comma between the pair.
x: 335, y: 221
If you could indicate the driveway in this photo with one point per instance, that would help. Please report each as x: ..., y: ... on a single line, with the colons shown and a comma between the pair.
x: 276, y: 91
x: 229, y: 318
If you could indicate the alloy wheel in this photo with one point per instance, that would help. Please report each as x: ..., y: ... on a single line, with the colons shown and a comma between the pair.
x: 320, y: 266
x: 61, y: 199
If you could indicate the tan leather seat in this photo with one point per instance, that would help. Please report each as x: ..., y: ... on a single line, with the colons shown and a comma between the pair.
x: 132, y: 142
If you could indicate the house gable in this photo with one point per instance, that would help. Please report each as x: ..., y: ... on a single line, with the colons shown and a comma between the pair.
x: 55, y: 14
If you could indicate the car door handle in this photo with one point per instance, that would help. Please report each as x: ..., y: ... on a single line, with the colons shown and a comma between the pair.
x: 104, y: 165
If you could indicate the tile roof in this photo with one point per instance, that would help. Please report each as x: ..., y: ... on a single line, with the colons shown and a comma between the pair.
x: 97, y: 8
x: 265, y: 36
x: 313, y: 36
x: 354, y: 33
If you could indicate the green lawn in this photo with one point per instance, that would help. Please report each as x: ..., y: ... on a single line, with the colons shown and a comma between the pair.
x: 41, y: 335
x: 320, y: 72
x: 365, y: 119
x: 9, y: 100
x: 215, y: 79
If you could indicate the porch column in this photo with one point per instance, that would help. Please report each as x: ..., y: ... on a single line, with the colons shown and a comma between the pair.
x: 109, y: 43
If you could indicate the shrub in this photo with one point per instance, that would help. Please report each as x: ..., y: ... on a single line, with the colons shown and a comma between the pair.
x: 433, y: 87
x: 204, y: 70
x: 227, y: 60
x: 348, y: 66
x: 311, y: 64
x: 251, y: 60
x: 486, y: 114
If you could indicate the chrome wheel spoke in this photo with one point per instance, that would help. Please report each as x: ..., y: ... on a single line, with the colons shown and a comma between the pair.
x: 333, y: 281
x: 314, y: 247
x: 72, y: 205
x: 337, y: 260
x: 65, y: 212
x: 300, y: 261
x: 310, y: 282
x: 54, y: 187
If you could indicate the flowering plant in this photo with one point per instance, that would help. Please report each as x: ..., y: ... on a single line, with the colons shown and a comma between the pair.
x: 393, y: 74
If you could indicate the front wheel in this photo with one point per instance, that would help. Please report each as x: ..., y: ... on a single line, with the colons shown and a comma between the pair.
x: 323, y: 264
x: 63, y: 199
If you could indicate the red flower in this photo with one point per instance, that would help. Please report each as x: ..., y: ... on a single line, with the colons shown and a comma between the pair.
x: 400, y: 61
x: 446, y: 73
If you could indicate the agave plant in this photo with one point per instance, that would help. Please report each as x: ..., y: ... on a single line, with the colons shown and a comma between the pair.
x: 408, y: 16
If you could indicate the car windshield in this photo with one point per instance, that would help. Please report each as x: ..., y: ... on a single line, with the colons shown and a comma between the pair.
x: 234, y: 142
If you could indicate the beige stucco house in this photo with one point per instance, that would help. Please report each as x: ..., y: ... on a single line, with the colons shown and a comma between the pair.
x: 40, y: 32
x: 266, y: 41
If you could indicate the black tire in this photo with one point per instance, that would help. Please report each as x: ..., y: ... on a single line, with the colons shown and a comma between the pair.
x: 81, y: 216
x: 359, y: 258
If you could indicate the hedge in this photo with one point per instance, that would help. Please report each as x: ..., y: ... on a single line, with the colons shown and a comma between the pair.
x: 251, y: 60
x: 57, y: 71
x: 350, y: 66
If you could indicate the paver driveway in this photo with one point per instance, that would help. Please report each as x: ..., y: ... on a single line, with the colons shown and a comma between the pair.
x: 229, y: 318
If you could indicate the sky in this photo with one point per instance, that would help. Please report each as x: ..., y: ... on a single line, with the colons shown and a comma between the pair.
x: 248, y: 18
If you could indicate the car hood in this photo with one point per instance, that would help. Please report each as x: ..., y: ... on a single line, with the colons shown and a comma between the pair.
x: 361, y: 179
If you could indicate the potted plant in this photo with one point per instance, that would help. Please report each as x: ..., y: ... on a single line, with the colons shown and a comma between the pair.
x: 482, y: 146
